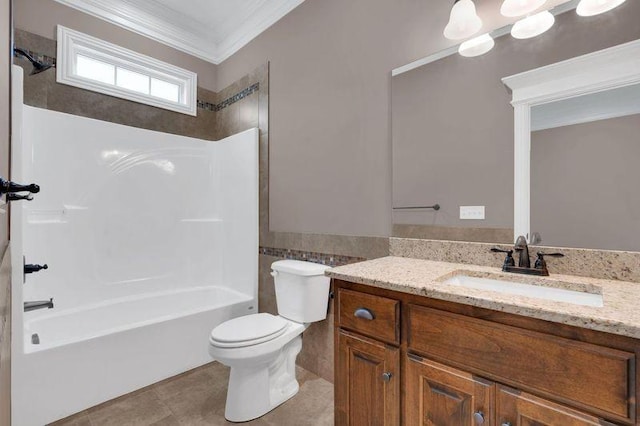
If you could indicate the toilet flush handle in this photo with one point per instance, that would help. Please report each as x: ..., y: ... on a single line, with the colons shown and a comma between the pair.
x: 274, y: 274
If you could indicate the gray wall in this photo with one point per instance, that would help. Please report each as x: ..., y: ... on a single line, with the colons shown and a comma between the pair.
x: 41, y: 17
x: 453, y: 122
x: 584, y: 184
x: 330, y: 63
x: 330, y: 102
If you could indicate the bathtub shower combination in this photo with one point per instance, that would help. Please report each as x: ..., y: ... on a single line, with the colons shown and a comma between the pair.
x: 151, y: 241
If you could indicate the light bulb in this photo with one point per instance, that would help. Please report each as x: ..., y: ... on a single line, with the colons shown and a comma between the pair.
x: 533, y: 25
x: 596, y: 7
x: 513, y: 8
x: 463, y: 21
x: 476, y: 46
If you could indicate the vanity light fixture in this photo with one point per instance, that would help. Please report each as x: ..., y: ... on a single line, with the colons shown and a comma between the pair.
x: 476, y: 46
x: 533, y: 25
x: 513, y: 8
x: 596, y: 7
x: 463, y: 21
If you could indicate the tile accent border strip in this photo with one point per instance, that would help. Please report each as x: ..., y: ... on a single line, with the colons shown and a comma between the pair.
x: 229, y: 101
x: 323, y: 258
x: 205, y: 105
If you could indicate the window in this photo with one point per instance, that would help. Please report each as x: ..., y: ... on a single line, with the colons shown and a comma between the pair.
x: 93, y: 64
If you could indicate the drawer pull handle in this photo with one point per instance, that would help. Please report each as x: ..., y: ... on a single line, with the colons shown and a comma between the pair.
x: 506, y: 424
x: 364, y: 313
x: 386, y: 377
x: 478, y: 416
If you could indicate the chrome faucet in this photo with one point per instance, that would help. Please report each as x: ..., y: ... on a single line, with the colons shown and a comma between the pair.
x: 41, y: 304
x: 524, y: 262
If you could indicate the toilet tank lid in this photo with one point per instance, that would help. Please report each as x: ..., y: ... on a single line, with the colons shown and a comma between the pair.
x: 299, y: 267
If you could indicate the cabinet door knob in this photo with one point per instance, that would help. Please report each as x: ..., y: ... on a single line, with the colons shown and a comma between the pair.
x: 387, y: 377
x: 478, y: 416
x: 364, y: 313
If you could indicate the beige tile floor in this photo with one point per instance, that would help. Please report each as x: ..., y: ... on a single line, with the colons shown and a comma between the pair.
x: 197, y: 398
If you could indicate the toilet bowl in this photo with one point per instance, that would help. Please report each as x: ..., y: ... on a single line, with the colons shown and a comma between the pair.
x: 261, y: 349
x: 263, y: 372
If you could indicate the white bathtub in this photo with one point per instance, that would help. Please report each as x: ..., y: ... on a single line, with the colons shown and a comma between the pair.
x: 120, y: 315
x: 151, y: 241
x: 95, y: 353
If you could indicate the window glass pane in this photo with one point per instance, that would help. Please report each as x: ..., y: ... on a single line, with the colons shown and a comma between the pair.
x: 165, y: 90
x: 132, y: 81
x: 95, y: 70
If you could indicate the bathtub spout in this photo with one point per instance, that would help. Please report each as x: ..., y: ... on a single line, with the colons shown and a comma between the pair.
x: 41, y: 304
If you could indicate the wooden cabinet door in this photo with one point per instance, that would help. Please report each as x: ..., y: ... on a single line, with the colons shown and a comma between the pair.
x: 437, y: 395
x: 367, y: 382
x: 516, y: 408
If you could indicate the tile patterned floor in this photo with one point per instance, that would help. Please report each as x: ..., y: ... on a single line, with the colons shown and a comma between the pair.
x: 198, y: 397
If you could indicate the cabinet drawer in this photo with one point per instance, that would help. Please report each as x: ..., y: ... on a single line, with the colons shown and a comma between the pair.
x: 373, y: 316
x: 586, y: 375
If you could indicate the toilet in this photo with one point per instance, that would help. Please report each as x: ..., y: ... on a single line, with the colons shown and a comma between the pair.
x: 261, y: 349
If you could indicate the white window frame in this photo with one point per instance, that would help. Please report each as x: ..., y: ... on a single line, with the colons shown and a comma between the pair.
x: 71, y: 43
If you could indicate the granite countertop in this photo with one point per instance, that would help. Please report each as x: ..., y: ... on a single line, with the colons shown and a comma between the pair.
x: 618, y: 315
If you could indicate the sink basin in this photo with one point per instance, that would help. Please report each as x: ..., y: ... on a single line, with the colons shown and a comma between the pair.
x: 541, y: 290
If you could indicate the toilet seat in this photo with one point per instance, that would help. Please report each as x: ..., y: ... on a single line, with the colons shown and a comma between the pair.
x: 248, y: 330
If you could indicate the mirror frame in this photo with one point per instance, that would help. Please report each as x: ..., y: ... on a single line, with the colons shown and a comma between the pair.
x: 606, y: 69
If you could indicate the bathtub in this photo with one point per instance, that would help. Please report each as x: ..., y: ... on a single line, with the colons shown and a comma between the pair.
x: 151, y: 241
x: 120, y: 315
x: 92, y: 354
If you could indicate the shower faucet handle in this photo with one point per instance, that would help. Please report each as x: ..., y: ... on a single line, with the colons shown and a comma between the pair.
x: 31, y: 268
x: 7, y: 186
x: 16, y: 197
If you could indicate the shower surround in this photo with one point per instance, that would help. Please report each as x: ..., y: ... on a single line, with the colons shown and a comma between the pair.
x: 151, y: 241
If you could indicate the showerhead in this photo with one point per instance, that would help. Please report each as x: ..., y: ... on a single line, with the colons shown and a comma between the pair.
x: 38, y: 66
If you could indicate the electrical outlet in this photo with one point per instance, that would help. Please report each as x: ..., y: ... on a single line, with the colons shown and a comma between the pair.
x: 472, y: 212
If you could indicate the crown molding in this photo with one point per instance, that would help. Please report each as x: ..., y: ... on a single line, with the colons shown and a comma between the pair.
x: 146, y: 19
x: 162, y: 24
x: 253, y: 27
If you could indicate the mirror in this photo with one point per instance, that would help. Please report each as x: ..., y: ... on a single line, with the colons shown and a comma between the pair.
x: 453, y: 144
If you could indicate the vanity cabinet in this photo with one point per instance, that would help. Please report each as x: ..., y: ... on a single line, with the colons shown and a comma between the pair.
x: 411, y: 360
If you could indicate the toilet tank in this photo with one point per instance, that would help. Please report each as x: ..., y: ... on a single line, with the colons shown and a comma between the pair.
x: 302, y: 290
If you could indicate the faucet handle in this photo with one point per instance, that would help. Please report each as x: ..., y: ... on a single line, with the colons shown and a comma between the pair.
x: 7, y: 186
x: 499, y: 250
x: 508, y: 261
x: 541, y: 263
x: 558, y: 254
